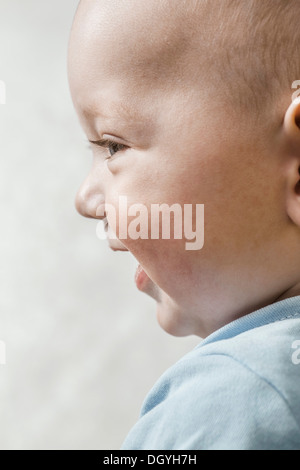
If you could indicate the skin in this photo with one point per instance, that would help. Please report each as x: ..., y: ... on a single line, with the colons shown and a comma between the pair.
x: 186, y: 145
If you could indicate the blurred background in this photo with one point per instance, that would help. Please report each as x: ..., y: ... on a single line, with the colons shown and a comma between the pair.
x: 83, y: 347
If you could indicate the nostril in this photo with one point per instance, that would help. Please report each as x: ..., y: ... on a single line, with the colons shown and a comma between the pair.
x: 93, y: 207
x: 101, y: 212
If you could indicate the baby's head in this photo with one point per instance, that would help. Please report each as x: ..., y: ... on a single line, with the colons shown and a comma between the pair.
x: 195, y: 96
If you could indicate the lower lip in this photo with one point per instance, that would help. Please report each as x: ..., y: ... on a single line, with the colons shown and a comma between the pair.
x: 141, y: 278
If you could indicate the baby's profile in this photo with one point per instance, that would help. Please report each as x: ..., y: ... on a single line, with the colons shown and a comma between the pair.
x: 189, y: 103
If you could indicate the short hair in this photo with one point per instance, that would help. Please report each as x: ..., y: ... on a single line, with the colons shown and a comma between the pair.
x: 265, y: 57
x: 254, y: 47
x: 246, y: 52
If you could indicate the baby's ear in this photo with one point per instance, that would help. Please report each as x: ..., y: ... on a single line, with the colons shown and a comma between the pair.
x: 292, y: 134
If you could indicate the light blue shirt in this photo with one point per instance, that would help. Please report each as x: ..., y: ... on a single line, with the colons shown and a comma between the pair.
x: 237, y: 390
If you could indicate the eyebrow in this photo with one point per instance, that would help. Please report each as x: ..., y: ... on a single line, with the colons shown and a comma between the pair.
x: 120, y: 110
x: 136, y: 122
x: 125, y: 111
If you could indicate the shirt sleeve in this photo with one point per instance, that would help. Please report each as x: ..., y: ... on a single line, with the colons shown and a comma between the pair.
x: 215, y: 404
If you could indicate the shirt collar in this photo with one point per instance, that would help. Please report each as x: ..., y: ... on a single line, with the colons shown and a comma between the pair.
x: 278, y: 311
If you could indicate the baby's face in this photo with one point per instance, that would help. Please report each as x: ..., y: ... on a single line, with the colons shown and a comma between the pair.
x: 132, y: 82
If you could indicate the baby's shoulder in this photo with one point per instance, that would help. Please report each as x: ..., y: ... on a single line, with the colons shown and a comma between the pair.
x: 233, y: 393
x: 271, y: 352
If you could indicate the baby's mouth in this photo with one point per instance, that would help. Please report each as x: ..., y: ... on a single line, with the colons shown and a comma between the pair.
x: 142, y: 280
x: 114, y: 243
x: 105, y: 223
x: 145, y: 284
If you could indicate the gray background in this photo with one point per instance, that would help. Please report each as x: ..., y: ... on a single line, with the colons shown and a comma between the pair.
x: 83, y: 345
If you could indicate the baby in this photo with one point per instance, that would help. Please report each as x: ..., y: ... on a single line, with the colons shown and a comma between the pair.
x: 189, y: 102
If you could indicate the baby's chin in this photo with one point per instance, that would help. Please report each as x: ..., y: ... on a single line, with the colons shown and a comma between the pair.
x: 169, y: 315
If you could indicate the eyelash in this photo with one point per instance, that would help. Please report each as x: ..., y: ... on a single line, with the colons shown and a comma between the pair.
x: 107, y: 144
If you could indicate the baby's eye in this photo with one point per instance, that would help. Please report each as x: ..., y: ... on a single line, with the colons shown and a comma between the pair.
x: 114, y: 147
x: 111, y: 146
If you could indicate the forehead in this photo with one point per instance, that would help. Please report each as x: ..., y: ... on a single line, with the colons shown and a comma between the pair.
x: 135, y: 30
x: 131, y: 42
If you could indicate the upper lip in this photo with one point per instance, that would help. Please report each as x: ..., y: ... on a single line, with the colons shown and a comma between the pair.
x: 114, y: 243
x: 118, y: 246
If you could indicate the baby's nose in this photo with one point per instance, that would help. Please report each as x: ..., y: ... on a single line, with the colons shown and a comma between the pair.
x: 89, y: 200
